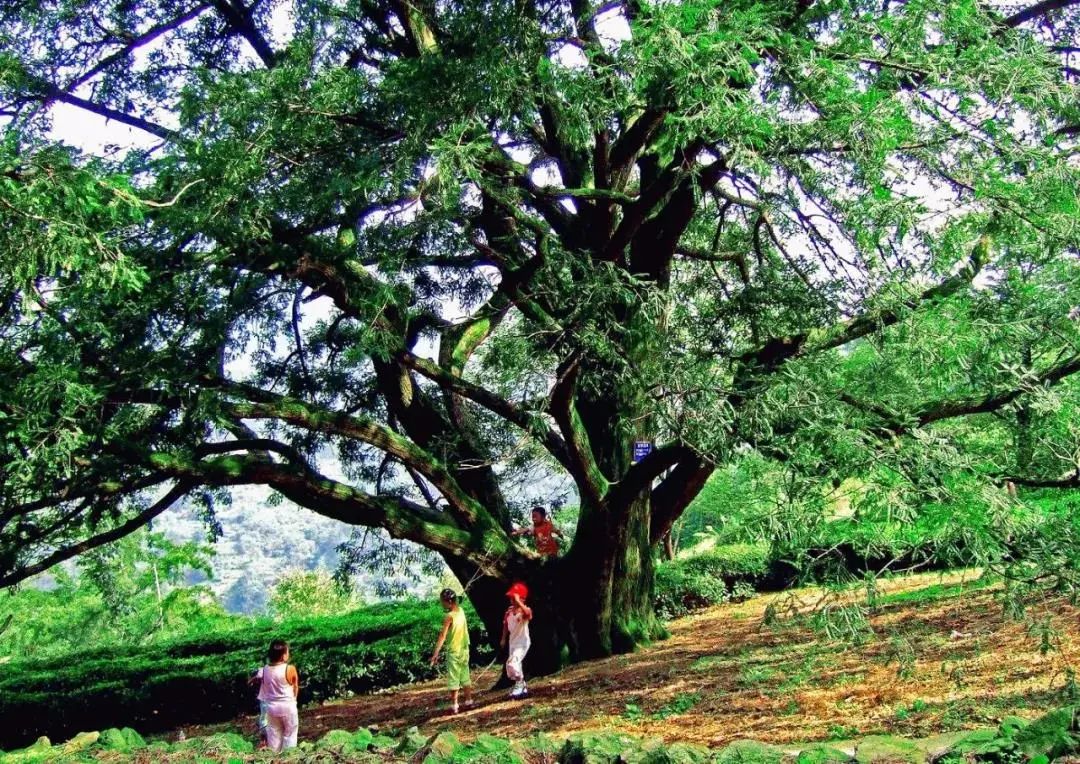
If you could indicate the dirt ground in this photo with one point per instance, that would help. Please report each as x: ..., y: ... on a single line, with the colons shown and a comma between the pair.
x: 942, y: 655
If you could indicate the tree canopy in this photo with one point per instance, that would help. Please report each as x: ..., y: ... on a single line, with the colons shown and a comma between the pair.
x: 393, y: 258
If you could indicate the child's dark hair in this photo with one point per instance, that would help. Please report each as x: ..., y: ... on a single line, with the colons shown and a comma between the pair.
x: 448, y: 595
x: 541, y: 510
x: 277, y: 650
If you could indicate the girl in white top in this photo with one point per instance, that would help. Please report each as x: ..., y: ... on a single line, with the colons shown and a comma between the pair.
x: 515, y: 636
x: 279, y: 684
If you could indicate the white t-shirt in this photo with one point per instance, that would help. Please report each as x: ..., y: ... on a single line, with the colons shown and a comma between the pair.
x: 272, y: 685
x: 517, y: 627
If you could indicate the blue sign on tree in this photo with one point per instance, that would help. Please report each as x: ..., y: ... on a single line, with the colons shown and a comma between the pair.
x: 642, y: 448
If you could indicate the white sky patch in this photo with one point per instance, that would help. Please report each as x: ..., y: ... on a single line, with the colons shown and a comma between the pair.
x: 95, y: 135
x: 613, y: 29
x: 570, y: 56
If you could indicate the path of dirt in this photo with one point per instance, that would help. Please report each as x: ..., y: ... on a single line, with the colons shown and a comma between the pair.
x: 950, y: 663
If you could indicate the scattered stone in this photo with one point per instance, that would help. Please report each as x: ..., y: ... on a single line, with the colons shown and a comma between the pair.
x: 749, y: 752
x: 440, y: 747
x: 411, y: 742
x: 123, y: 740
x: 822, y: 753
x: 488, y: 749
x: 361, y: 739
x: 383, y: 742
x: 540, y: 744
x: 602, y: 748
x: 1054, y: 735
x: 886, y: 748
x: 336, y: 739
x: 1011, y: 725
x: 979, y: 744
x: 937, y: 746
x: 222, y: 743
x: 676, y: 753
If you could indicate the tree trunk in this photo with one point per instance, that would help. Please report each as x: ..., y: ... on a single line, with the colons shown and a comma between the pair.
x: 669, y: 546
x: 594, y: 602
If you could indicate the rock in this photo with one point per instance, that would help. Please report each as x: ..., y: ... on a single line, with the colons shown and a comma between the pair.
x: 383, y: 742
x: 123, y: 740
x: 540, y: 744
x: 222, y: 743
x: 676, y: 753
x: 937, y: 746
x: 749, y: 752
x: 439, y: 748
x: 336, y: 740
x: 981, y: 744
x: 488, y: 749
x: 1054, y: 735
x: 362, y: 739
x: 886, y: 748
x: 411, y: 742
x: 602, y: 748
x: 821, y: 753
x: 1011, y: 725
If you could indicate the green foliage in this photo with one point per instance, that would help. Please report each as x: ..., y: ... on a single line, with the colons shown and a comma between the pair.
x: 204, y: 679
x: 710, y: 578
x: 303, y: 593
x: 134, y: 591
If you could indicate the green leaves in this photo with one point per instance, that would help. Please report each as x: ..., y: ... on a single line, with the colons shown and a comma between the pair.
x: 60, y: 217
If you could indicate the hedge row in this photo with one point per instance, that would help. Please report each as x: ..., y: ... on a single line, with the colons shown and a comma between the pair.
x: 203, y: 680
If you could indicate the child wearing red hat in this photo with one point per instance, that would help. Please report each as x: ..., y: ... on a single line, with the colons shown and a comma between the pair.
x: 515, y: 636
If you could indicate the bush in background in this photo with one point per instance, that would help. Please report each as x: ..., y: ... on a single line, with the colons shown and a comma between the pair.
x: 719, y: 575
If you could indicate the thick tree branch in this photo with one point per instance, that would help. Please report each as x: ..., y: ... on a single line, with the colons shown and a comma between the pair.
x: 1038, y: 10
x: 135, y: 44
x: 591, y: 482
x: 239, y: 19
x: 639, y: 478
x: 400, y: 517
x: 466, y: 510
x: 530, y: 422
x: 674, y: 494
x: 1070, y: 481
x: 56, y: 94
x: 942, y: 410
x: 899, y: 423
x: 14, y: 576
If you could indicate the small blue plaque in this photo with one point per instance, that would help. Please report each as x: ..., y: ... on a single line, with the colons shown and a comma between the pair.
x: 642, y: 448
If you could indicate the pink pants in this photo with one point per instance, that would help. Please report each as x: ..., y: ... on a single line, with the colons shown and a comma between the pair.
x: 514, y: 661
x: 282, y: 724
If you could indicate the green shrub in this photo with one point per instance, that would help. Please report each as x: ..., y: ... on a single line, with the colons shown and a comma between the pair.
x: 710, y: 578
x: 204, y: 680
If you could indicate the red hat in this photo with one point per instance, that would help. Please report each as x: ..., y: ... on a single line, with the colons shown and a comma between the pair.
x: 519, y: 589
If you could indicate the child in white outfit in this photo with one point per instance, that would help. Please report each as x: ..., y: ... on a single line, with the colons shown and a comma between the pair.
x: 279, y: 684
x: 515, y: 636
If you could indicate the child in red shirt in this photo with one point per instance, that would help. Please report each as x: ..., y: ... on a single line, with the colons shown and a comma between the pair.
x: 543, y: 532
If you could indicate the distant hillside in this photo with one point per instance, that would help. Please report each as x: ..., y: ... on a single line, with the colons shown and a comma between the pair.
x: 260, y: 541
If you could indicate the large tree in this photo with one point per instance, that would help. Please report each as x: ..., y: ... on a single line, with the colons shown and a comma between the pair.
x: 392, y: 257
